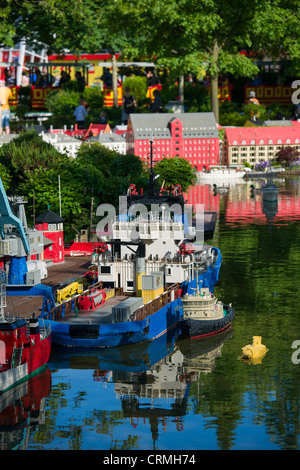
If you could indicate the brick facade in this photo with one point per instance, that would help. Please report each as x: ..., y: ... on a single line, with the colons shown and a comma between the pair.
x: 193, y: 136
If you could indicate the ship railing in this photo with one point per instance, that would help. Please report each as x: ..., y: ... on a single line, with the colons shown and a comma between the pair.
x: 153, y: 306
x: 71, y: 305
x: 15, y: 281
x: 11, y: 318
x: 161, y: 216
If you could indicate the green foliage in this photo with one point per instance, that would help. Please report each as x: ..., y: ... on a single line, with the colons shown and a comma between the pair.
x: 287, y: 155
x: 30, y: 167
x: 113, y: 115
x: 5, y: 177
x: 26, y: 154
x: 62, y: 102
x: 105, y: 174
x: 275, y: 109
x: 233, y: 119
x: 196, y: 98
x: 138, y: 87
x: 93, y: 97
x: 58, y: 121
x: 43, y: 186
x: 251, y: 109
x: 174, y: 171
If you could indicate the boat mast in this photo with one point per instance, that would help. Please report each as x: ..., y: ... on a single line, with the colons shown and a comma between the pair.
x: 151, y: 190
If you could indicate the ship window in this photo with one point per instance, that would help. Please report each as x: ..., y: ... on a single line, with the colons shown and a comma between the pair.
x: 105, y: 269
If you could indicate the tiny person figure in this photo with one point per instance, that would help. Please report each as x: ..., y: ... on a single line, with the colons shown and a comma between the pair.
x: 80, y: 114
x: 129, y: 104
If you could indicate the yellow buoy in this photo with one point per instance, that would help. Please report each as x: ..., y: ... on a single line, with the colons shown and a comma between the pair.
x: 254, y: 352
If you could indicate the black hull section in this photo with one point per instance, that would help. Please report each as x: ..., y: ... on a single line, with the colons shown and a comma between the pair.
x: 201, y: 328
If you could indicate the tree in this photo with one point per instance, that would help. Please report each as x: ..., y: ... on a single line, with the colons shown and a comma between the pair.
x: 287, y: 155
x: 208, y: 36
x: 28, y: 154
x: 42, y: 189
x: 105, y: 174
x: 182, y: 35
x: 174, y: 171
x: 199, y: 37
x: 30, y: 167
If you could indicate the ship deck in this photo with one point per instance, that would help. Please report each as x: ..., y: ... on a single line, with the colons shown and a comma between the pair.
x: 99, y: 316
x: 58, y: 275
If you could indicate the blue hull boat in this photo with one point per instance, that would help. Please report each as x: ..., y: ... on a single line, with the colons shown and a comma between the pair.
x: 93, y: 330
x: 151, y: 258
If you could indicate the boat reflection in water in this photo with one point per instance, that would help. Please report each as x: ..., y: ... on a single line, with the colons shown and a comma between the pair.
x: 21, y: 408
x: 151, y: 379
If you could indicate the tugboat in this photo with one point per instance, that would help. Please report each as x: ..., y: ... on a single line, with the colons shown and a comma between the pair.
x: 25, y: 346
x: 204, y: 315
x: 151, y: 265
x: 270, y: 192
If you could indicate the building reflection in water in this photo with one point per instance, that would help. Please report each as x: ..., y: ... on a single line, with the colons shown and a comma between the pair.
x: 242, y: 207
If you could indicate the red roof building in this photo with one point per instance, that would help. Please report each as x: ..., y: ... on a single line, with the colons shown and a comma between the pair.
x: 83, y: 134
x: 257, y: 144
x: 193, y: 136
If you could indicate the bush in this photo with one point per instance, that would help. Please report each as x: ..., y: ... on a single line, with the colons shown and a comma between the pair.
x: 61, y: 102
x: 252, y: 109
x: 138, y: 87
x: 196, y: 98
x: 93, y: 97
x: 175, y: 171
x: 233, y: 119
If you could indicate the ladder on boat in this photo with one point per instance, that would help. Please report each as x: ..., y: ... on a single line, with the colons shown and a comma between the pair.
x: 17, y: 357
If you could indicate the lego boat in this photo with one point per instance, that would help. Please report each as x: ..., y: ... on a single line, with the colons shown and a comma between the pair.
x: 255, y: 352
x: 143, y: 303
x: 221, y: 173
x: 25, y: 346
x: 204, y: 315
x: 270, y: 192
x: 151, y: 262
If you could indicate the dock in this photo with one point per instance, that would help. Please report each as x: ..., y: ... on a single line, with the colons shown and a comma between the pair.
x: 58, y: 275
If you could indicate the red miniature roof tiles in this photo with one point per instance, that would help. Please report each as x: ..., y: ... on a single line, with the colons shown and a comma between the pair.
x: 263, y: 135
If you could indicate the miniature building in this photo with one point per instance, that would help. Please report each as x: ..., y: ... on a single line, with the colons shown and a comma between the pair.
x: 52, y: 226
x: 111, y: 141
x: 63, y: 143
x: 257, y: 144
x: 193, y: 136
x: 6, y: 139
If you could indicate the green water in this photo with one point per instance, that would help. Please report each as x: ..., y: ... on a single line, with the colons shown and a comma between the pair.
x: 198, y: 395
x: 260, y: 275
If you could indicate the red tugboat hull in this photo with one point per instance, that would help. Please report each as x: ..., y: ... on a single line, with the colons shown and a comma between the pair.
x: 21, y: 355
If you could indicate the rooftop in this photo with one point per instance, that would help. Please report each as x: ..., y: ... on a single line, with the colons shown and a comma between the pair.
x: 158, y: 125
x: 49, y: 217
x: 263, y: 135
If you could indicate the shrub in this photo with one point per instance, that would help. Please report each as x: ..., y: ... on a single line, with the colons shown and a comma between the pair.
x: 138, y: 87
x: 61, y: 102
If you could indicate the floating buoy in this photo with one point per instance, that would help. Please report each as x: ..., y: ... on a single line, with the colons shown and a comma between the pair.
x: 254, y: 352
